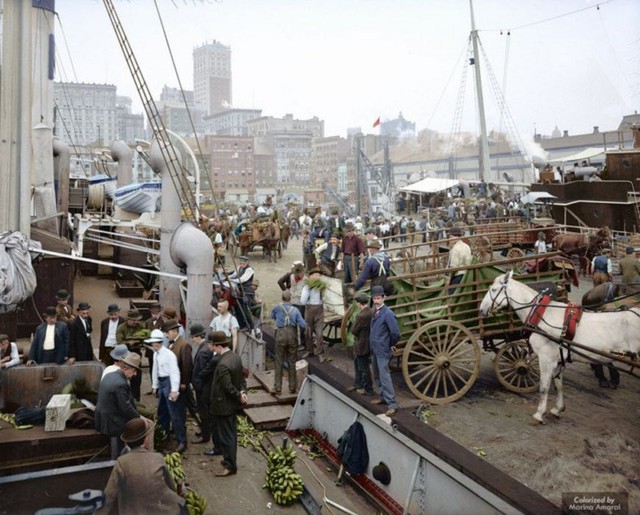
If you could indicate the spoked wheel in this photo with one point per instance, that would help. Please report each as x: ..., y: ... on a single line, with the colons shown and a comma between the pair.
x: 441, y: 361
x: 517, y: 367
x: 332, y: 332
x: 515, y: 252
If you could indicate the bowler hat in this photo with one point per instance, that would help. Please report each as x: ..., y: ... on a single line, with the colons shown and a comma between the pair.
x: 83, y: 306
x: 197, y: 330
x: 374, y: 244
x: 362, y: 298
x: 170, y: 324
x: 382, y: 473
x: 156, y: 336
x: 113, y: 308
x: 136, y: 429
x: 630, y: 250
x: 377, y: 291
x: 119, y: 352
x: 134, y: 314
x: 219, y: 338
x: 62, y: 295
x: 50, y: 312
x: 132, y: 360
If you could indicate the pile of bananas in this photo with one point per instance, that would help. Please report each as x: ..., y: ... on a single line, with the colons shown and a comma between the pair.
x: 174, y: 464
x: 196, y: 505
x: 11, y: 419
x: 281, y: 480
x: 248, y: 435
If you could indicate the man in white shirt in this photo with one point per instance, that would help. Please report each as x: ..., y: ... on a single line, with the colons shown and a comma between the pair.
x: 108, y: 328
x: 540, y: 244
x: 226, y: 323
x: 459, y: 256
x: 9, y: 356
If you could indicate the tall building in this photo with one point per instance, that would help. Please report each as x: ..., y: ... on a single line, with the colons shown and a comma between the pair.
x: 86, y: 114
x: 230, y: 163
x: 232, y: 122
x: 212, y: 77
x: 327, y: 154
x: 177, y: 116
x: 129, y: 126
x: 398, y: 128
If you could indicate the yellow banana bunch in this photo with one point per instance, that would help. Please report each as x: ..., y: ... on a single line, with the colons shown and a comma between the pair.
x: 11, y: 419
x: 174, y: 464
x: 196, y: 505
x: 281, y: 480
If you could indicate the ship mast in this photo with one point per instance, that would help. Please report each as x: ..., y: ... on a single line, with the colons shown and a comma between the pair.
x: 485, y: 165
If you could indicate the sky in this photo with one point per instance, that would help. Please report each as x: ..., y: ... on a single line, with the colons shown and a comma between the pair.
x: 558, y: 63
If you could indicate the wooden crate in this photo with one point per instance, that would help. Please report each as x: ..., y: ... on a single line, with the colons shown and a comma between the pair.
x: 129, y: 288
x: 57, y: 413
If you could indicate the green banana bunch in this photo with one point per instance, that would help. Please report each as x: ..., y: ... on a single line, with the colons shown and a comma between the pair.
x: 174, y: 464
x: 281, y: 480
x: 248, y: 435
x: 159, y: 437
x: 282, y: 456
x: 196, y: 505
x: 11, y: 419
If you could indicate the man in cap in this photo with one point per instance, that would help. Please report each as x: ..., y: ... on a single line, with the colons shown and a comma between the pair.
x: 376, y: 268
x: 328, y: 255
x: 459, y: 256
x: 370, y: 235
x: 140, y: 481
x: 384, y: 334
x: 352, y: 251
x: 126, y: 333
x: 80, y: 329
x: 50, y: 342
x: 203, y: 390
x: 116, y: 405
x: 228, y: 395
x: 293, y: 282
x: 362, y: 349
x: 182, y: 351
x: 288, y: 321
x: 117, y: 354
x: 165, y: 384
x: 64, y: 313
x: 311, y: 298
x: 108, y: 328
x: 630, y: 268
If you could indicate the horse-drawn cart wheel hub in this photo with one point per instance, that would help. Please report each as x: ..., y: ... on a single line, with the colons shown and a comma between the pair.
x: 443, y: 362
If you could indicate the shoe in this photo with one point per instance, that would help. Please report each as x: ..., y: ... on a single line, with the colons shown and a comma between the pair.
x: 199, y: 440
x: 226, y: 472
x: 359, y: 390
x: 306, y: 355
x: 352, y: 389
x: 390, y: 412
x: 181, y: 448
x: 377, y: 401
x: 212, y: 452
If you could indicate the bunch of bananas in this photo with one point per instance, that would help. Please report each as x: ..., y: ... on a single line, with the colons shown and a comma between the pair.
x: 174, y: 464
x: 281, y: 480
x: 248, y: 435
x: 11, y: 419
x: 159, y: 437
x: 196, y: 505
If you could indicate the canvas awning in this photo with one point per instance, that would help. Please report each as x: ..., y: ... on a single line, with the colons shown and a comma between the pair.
x: 578, y: 157
x: 430, y: 185
x: 534, y: 196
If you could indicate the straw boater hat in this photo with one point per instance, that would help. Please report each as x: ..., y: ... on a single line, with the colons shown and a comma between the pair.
x: 156, y: 336
x: 136, y: 429
x: 134, y: 314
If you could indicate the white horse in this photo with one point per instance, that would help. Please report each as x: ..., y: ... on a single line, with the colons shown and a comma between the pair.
x: 609, y: 332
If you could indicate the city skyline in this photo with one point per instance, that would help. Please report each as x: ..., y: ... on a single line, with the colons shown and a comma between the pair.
x: 357, y: 60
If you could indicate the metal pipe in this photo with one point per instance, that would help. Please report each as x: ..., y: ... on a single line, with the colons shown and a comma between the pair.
x: 61, y: 167
x: 121, y: 154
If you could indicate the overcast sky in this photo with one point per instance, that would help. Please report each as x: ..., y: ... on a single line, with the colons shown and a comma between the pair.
x: 350, y: 61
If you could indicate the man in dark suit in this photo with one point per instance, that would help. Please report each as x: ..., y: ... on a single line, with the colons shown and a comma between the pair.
x: 116, y: 405
x: 50, y: 342
x: 108, y: 328
x: 227, y: 397
x: 80, y: 329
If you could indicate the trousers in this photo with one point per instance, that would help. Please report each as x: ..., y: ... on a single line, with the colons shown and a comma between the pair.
x: 362, y: 365
x: 383, y: 379
x: 227, y: 435
x: 314, y: 317
x: 171, y: 412
x: 286, y: 348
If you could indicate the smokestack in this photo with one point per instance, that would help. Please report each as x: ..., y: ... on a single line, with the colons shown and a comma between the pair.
x: 565, y: 134
x: 596, y: 129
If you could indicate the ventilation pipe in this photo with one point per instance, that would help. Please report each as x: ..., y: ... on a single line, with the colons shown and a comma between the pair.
x: 192, y: 248
x: 44, y: 196
x: 61, y: 168
x: 169, y: 220
x: 121, y: 154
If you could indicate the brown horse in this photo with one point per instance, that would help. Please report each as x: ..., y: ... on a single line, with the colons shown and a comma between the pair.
x: 582, y: 244
x: 285, y: 234
x: 265, y: 234
x: 611, y: 297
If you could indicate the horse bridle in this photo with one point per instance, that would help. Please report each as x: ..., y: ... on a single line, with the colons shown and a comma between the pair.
x: 503, y: 286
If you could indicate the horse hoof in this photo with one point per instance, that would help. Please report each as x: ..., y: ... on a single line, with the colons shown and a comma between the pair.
x: 535, y: 422
x: 556, y: 413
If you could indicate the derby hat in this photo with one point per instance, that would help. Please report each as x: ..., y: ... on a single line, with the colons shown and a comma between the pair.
x: 132, y: 360
x: 113, y: 308
x: 219, y: 338
x: 172, y: 323
x: 119, y: 352
x: 382, y: 473
x: 377, y: 291
x: 50, y: 312
x: 197, y: 330
x: 83, y: 306
x: 62, y: 295
x: 156, y: 336
x: 136, y: 429
x: 134, y: 314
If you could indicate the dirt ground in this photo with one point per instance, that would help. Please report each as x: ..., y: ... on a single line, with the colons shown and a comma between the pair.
x: 594, y: 447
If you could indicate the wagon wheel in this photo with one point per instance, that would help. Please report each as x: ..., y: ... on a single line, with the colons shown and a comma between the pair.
x: 517, y: 367
x: 515, y: 252
x: 441, y: 361
x: 480, y: 244
x: 332, y: 332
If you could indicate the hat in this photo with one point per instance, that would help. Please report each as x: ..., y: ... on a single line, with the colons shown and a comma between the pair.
x: 630, y: 250
x: 197, y: 330
x: 50, y: 312
x: 136, y: 429
x: 349, y: 226
x: 362, y: 298
x: 119, y: 352
x: 455, y: 231
x: 369, y: 230
x: 155, y: 305
x: 377, y: 291
x: 82, y: 306
x: 132, y: 360
x: 170, y: 324
x: 374, y: 244
x: 170, y: 312
x: 382, y: 473
x: 298, y: 266
x: 243, y: 258
x: 335, y: 235
x: 134, y: 314
x: 62, y: 295
x: 156, y: 336
x: 315, y: 270
x: 219, y: 338
x: 113, y: 308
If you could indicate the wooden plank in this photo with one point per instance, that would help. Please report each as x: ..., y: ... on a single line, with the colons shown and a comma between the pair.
x: 253, y: 383
x: 266, y: 380
x: 261, y: 398
x: 269, y: 417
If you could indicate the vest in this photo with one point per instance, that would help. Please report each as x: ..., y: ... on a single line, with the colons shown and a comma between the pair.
x: 600, y: 264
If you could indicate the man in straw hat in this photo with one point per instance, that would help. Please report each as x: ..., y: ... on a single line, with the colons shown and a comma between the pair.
x: 126, y: 334
x: 116, y: 405
x: 140, y: 481
x: 108, y: 328
x: 50, y: 342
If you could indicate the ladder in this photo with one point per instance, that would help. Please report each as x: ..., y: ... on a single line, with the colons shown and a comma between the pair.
x: 346, y: 207
x: 169, y: 154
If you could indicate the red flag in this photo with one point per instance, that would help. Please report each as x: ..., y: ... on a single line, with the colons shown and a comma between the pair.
x: 376, y: 123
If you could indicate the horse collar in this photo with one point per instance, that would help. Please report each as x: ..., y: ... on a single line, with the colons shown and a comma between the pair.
x: 535, y: 316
